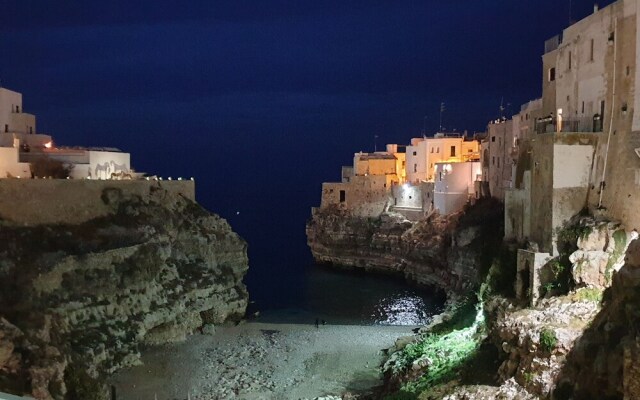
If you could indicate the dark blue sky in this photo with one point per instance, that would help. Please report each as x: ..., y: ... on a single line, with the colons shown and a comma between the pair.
x: 261, y: 101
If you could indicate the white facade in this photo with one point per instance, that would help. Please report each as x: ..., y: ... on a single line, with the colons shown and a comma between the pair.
x: 425, y: 153
x: 12, y: 117
x: 454, y: 185
x: 20, y: 145
x: 10, y: 166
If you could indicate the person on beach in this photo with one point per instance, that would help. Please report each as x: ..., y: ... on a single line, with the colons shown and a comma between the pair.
x: 324, y: 322
x: 317, y: 323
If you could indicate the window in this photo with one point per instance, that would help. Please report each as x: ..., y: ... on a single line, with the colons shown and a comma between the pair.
x: 569, y: 61
x: 17, y: 109
x: 31, y: 130
x: 493, y: 138
x: 628, y: 70
x: 6, y: 128
x: 415, y: 167
x: 552, y: 74
x: 415, y: 153
x: 453, y: 151
x: 343, y: 196
x: 437, y: 149
x: 432, y: 150
x: 583, y: 107
x: 493, y: 160
x: 498, y: 162
x: 591, y: 47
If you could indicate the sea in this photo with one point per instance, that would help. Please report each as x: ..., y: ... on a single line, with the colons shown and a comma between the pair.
x: 333, y: 296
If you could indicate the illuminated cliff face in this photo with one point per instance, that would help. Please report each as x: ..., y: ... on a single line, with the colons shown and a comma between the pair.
x: 87, y: 295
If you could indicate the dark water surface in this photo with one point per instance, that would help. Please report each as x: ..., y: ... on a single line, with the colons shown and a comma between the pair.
x: 340, y: 297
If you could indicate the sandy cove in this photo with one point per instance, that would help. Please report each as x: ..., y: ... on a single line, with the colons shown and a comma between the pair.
x: 262, y: 361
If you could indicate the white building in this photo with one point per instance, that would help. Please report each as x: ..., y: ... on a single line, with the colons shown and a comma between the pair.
x: 21, y: 145
x: 455, y: 185
x: 423, y: 154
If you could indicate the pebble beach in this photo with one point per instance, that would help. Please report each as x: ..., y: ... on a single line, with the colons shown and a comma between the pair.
x: 256, y: 360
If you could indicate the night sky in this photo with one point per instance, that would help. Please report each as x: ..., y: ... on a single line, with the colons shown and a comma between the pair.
x: 261, y: 101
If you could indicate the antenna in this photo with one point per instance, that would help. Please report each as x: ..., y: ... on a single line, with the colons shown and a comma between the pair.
x: 570, y: 12
x: 442, y: 108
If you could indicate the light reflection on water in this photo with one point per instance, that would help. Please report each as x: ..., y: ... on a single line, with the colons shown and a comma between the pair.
x: 340, y: 297
x: 401, y: 309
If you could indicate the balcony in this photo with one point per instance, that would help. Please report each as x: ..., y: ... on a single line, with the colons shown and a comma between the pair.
x: 555, y: 125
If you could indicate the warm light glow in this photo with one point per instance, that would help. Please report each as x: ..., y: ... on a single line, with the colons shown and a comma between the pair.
x: 48, y: 145
x: 405, y: 186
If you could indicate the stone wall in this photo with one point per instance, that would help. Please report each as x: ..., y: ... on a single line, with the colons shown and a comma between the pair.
x: 517, y: 211
x: 366, y: 196
x: 53, y: 201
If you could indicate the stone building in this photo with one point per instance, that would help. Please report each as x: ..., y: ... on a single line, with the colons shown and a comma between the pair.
x: 366, y: 187
x: 584, y: 151
x: 497, y: 156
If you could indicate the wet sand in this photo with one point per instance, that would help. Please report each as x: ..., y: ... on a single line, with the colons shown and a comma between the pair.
x: 261, y: 361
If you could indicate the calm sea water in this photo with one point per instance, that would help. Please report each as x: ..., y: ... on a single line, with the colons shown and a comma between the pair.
x: 340, y: 297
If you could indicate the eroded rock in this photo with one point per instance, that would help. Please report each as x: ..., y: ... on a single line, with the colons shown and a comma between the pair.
x: 90, y: 294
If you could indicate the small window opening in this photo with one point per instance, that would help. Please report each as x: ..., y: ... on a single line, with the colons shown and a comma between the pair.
x: 343, y: 196
x: 552, y: 74
x: 453, y: 151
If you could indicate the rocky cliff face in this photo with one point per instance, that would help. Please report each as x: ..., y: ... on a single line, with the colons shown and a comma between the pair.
x: 445, y: 252
x: 78, y: 301
x: 605, y: 361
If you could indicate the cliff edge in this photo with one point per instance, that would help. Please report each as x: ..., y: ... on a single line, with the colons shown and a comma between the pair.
x: 445, y: 252
x: 77, y: 301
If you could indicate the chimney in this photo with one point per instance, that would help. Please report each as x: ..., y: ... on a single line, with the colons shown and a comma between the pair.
x: 595, y: 8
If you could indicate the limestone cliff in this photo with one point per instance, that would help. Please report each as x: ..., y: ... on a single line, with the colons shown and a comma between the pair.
x: 78, y: 300
x: 605, y: 361
x: 441, y: 251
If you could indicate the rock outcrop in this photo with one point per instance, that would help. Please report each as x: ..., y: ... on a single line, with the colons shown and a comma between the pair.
x: 78, y: 301
x: 537, y: 340
x: 604, y: 363
x: 441, y: 251
x: 600, y: 252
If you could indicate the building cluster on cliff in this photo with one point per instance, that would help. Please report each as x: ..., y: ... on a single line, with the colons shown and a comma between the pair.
x: 21, y: 146
x: 575, y: 148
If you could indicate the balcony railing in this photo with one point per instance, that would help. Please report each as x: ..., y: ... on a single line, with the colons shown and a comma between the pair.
x: 551, y: 125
